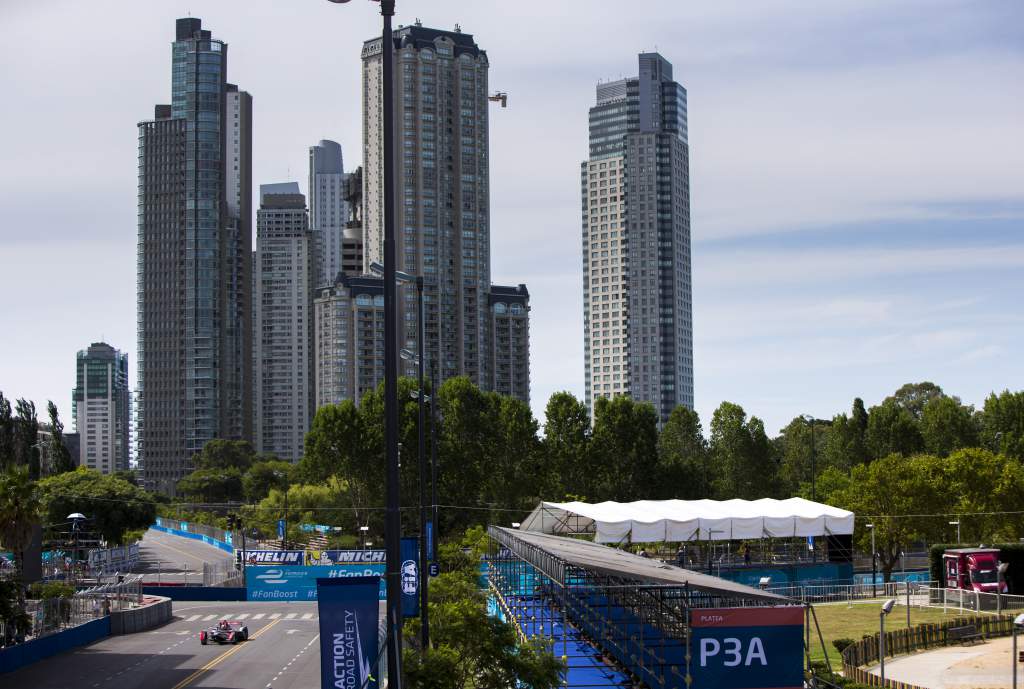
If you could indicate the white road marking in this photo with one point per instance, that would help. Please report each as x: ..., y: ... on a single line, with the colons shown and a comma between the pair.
x: 308, y: 616
x: 291, y: 616
x: 242, y: 616
x: 208, y: 618
x: 193, y: 618
x: 275, y: 615
x: 258, y: 616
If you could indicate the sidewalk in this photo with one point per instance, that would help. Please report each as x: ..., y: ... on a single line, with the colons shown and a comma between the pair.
x: 981, y: 666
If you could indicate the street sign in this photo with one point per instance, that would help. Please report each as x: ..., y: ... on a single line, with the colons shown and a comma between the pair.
x: 280, y: 528
x: 747, y: 648
x: 434, y: 569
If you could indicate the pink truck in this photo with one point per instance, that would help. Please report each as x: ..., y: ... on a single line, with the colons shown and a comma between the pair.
x: 973, y: 569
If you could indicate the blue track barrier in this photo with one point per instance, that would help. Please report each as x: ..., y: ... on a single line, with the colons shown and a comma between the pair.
x: 226, y: 547
x: 14, y: 657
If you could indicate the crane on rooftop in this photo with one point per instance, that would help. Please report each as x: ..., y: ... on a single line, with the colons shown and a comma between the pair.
x: 499, y: 96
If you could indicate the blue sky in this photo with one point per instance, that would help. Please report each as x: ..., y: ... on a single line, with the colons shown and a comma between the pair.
x: 857, y: 174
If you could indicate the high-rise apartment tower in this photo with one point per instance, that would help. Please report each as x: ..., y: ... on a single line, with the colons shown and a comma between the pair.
x: 286, y: 260
x: 442, y: 194
x: 194, y: 246
x: 637, y: 299
x: 327, y: 208
x: 101, y: 408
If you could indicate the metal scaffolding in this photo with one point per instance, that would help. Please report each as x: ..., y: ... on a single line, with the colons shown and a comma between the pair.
x: 578, y: 596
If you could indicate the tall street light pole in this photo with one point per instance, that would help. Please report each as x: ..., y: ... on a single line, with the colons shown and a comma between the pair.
x: 814, y: 453
x: 956, y: 523
x: 874, y: 568
x: 886, y: 609
x: 393, y: 527
x: 422, y: 426
x: 433, y: 452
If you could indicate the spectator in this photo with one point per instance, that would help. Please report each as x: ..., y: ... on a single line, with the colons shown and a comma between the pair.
x: 681, y: 556
x: 643, y: 553
x: 95, y: 608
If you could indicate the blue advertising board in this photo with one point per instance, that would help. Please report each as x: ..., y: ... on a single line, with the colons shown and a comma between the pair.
x: 747, y: 648
x: 349, y: 615
x: 298, y: 583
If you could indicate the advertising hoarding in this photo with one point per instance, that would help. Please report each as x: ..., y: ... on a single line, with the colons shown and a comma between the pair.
x: 747, y: 648
x: 349, y: 615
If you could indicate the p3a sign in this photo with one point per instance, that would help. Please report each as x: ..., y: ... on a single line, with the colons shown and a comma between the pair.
x: 747, y: 648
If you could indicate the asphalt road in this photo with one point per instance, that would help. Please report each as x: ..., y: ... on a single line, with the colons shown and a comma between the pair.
x: 283, y: 652
x: 167, y: 558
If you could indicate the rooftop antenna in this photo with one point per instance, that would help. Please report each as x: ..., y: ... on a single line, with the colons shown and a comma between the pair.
x: 458, y: 29
x: 418, y: 22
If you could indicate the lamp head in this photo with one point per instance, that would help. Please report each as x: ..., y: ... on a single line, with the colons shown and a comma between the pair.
x: 888, y: 605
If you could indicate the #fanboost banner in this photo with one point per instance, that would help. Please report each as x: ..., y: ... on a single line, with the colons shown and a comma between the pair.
x: 349, y: 615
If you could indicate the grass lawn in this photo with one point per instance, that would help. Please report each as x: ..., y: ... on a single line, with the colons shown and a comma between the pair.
x: 837, y: 621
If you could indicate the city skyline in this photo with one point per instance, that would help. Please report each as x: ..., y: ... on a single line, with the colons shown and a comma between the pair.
x: 860, y: 232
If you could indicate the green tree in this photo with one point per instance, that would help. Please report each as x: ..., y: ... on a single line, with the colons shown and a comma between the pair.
x: 684, y: 469
x: 465, y: 445
x: 892, y: 428
x: 978, y: 485
x: 859, y: 418
x: 212, y: 485
x: 623, y: 456
x: 896, y: 494
x: 60, y: 456
x: 947, y: 425
x: 334, y: 444
x: 914, y: 396
x: 796, y: 458
x: 1002, y: 423
x: 225, y: 454
x: 113, y: 505
x: 6, y: 434
x: 26, y: 437
x: 514, y: 476
x: 844, y: 444
x: 266, y: 474
x: 472, y: 649
x: 324, y: 503
x: 565, y: 445
x: 20, y: 510
x: 743, y: 453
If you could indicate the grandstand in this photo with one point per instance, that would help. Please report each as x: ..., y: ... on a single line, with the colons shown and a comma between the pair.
x: 618, y: 619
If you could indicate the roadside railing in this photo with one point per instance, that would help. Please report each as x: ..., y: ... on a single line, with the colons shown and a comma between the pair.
x: 221, y: 573
x: 839, y: 593
x: 973, y: 601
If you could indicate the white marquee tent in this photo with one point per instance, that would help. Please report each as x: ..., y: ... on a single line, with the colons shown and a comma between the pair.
x: 647, y: 521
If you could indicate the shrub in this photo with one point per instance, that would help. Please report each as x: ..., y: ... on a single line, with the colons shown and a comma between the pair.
x: 842, y: 644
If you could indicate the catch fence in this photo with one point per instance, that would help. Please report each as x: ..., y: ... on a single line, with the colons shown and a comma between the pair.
x: 839, y: 593
x: 52, y: 615
x: 973, y: 601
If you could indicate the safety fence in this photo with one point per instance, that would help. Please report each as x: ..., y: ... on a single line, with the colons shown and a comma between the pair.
x: 51, y: 615
x: 222, y: 573
x: 975, y: 601
x: 921, y: 637
x: 839, y: 593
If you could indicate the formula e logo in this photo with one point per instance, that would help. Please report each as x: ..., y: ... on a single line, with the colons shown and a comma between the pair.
x: 273, y: 576
x: 410, y: 577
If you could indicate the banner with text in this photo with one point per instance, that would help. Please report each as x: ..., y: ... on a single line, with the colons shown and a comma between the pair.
x: 274, y: 557
x: 349, y: 614
x: 299, y: 583
x: 345, y: 557
x: 410, y: 576
x: 747, y: 648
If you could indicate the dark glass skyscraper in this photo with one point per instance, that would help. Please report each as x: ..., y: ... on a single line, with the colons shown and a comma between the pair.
x: 194, y: 268
x: 638, y: 310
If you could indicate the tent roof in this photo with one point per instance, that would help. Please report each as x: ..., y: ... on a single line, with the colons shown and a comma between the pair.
x: 619, y: 563
x: 646, y: 521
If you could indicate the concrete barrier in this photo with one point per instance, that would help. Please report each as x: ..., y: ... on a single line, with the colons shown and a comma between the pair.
x: 140, y: 619
x: 211, y: 593
x: 14, y: 657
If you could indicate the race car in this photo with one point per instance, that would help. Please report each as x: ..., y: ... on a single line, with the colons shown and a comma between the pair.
x: 224, y: 632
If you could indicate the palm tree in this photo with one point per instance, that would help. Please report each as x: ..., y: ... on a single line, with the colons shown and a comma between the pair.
x: 20, y: 510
